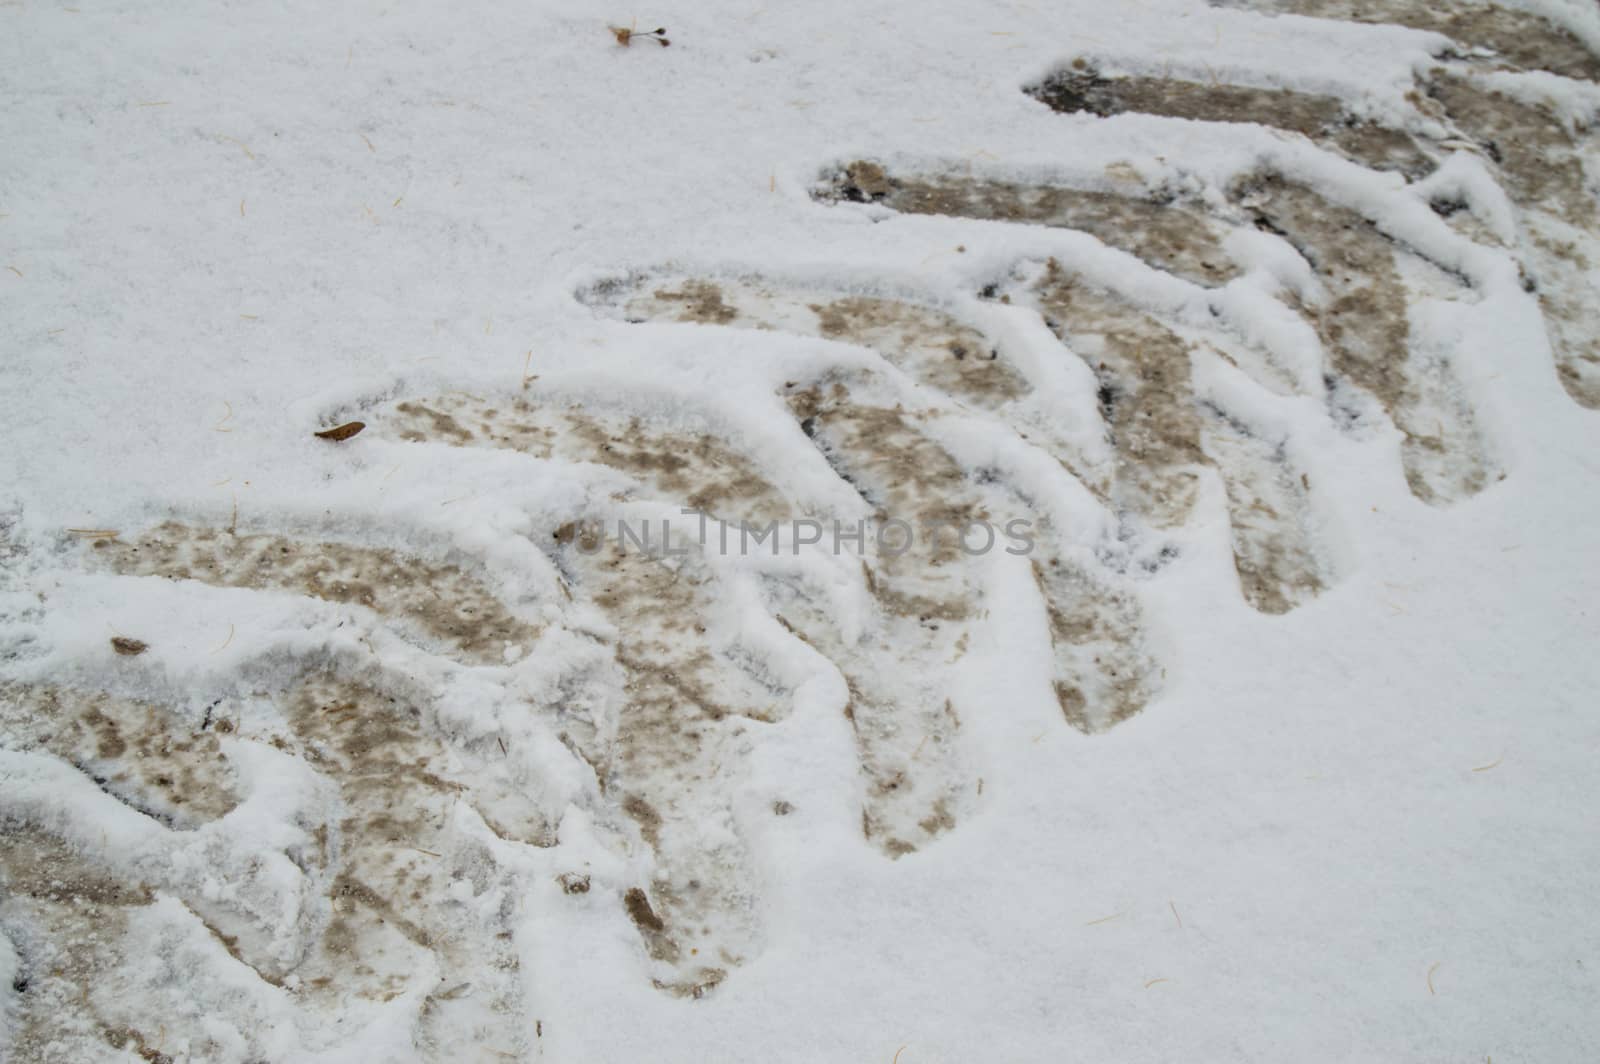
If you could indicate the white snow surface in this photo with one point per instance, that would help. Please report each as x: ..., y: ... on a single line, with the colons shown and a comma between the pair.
x: 1363, y: 830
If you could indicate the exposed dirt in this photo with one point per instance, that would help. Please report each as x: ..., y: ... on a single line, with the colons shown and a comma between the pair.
x: 901, y: 472
x: 414, y: 902
x: 698, y: 301
x: 410, y: 889
x: 67, y: 913
x: 698, y: 469
x: 438, y: 602
x: 1532, y: 148
x: 930, y: 345
x: 1539, y: 163
x: 1277, y: 567
x: 68, y: 919
x: 1101, y: 672
x: 1364, y: 328
x: 933, y: 347
x: 144, y: 755
x: 1521, y: 38
x: 684, y: 704
x: 1145, y: 393
x: 1099, y: 654
x: 1153, y: 227
x: 1162, y: 435
x: 1568, y: 298
x: 1269, y: 513
x: 38, y: 865
x: 918, y: 782
x: 1535, y: 152
x: 675, y: 711
x: 1323, y: 119
x: 905, y: 729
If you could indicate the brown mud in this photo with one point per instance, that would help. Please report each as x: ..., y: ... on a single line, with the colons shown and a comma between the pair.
x: 698, y: 469
x: 928, y: 344
x: 670, y: 763
x: 439, y: 602
x: 1163, y: 435
x: 1523, y: 40
x: 410, y: 890
x: 140, y: 753
x: 69, y: 920
x: 1325, y: 120
x: 1365, y: 331
x: 1155, y: 228
x: 1539, y: 163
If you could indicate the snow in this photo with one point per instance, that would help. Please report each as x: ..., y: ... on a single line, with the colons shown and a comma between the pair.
x: 1365, y: 829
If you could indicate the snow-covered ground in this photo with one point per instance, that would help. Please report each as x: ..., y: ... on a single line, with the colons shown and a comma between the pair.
x: 1279, y: 743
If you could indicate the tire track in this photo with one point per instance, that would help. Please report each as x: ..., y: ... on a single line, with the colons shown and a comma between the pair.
x: 1361, y: 314
x: 1163, y: 434
x: 440, y: 605
x: 416, y: 905
x: 1513, y: 125
x: 1154, y: 226
x: 676, y: 754
x: 1521, y: 38
x: 1101, y: 672
x: 907, y: 799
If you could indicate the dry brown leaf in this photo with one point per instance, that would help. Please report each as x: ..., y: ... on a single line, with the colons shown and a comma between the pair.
x: 342, y: 432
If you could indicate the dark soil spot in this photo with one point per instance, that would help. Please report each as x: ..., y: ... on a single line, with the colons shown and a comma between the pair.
x: 641, y: 913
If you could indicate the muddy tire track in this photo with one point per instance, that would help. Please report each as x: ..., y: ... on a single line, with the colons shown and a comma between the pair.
x: 923, y: 597
x: 907, y: 800
x: 69, y: 913
x: 1522, y: 39
x: 699, y: 469
x: 1151, y: 414
x: 1362, y: 321
x: 686, y: 705
x: 1537, y: 157
x: 412, y: 902
x: 1360, y: 314
x: 67, y: 919
x: 929, y: 344
x: 1152, y: 225
x: 1164, y: 433
x: 1325, y: 120
x: 877, y: 447
x: 408, y: 895
x: 416, y: 904
x: 683, y: 706
x: 140, y: 753
x: 1534, y: 151
x: 440, y: 605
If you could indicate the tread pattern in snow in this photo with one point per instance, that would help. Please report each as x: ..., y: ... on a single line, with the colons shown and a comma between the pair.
x: 392, y: 894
